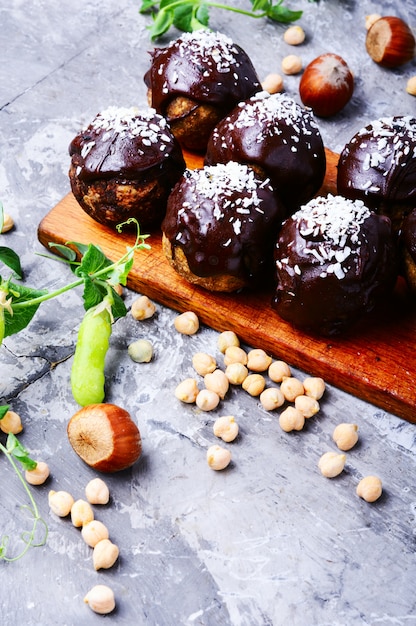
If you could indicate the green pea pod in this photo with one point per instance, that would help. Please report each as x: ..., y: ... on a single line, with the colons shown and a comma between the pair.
x: 87, y: 374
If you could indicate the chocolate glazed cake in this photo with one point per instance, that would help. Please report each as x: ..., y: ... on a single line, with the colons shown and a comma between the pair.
x: 196, y: 80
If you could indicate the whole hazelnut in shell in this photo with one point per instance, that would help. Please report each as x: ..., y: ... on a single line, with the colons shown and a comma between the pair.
x: 327, y: 85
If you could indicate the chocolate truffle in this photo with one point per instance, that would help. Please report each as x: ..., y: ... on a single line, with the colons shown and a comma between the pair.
x: 334, y: 260
x: 378, y: 166
x: 408, y: 250
x: 196, y: 80
x: 278, y: 138
x: 220, y: 227
x: 124, y: 165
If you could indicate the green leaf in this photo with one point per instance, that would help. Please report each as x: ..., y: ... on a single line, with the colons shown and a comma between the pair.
x: 10, y: 258
x: 94, y: 292
x: 3, y: 410
x: 19, y: 452
x: 92, y: 261
x: 283, y: 14
x: 161, y: 23
x: 202, y: 14
x: 118, y: 308
x: 21, y: 317
x: 183, y: 16
x: 65, y: 251
x: 262, y: 5
x: 146, y: 6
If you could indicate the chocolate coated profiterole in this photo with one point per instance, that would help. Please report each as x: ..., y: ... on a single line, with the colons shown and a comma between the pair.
x: 196, y: 80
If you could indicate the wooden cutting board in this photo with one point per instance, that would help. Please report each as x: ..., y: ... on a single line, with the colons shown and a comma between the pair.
x: 375, y: 362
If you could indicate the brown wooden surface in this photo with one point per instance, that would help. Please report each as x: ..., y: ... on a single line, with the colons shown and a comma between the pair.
x: 375, y: 361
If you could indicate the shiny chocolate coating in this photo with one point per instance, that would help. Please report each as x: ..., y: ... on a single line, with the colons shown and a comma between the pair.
x: 125, y: 143
x: 225, y: 219
x: 274, y: 134
x: 378, y: 165
x: 408, y: 234
x: 204, y: 66
x: 334, y: 260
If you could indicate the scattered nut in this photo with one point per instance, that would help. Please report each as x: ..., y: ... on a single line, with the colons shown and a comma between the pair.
x: 217, y: 381
x: 278, y: 370
x: 141, y: 351
x: 187, y: 390
x: 218, y: 458
x: 254, y: 384
x: 258, y: 360
x: 97, y: 491
x: 226, y: 339
x: 326, y: 85
x: 345, y: 436
x: 307, y: 406
x: 11, y: 423
x: 105, y: 554
x: 271, y: 398
x: 101, y: 599
x: 291, y: 419
x: 235, y: 354
x: 369, y: 488
x: 226, y: 428
x: 60, y: 502
x: 331, y: 464
x: 8, y: 223
x: 390, y: 42
x: 81, y: 513
x: 38, y: 475
x: 203, y: 363
x: 142, y: 308
x: 292, y: 64
x: 93, y: 532
x: 273, y: 83
x: 314, y: 387
x: 187, y: 323
x: 294, y: 35
x: 236, y: 373
x: 411, y: 86
x: 207, y: 400
x: 291, y: 387
x: 370, y: 19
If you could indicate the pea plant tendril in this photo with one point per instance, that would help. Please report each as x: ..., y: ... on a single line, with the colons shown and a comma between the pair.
x: 99, y: 276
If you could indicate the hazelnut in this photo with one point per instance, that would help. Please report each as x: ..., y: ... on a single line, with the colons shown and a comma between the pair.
x: 314, y: 387
x: 411, y: 86
x: 291, y: 387
x: 258, y: 360
x: 331, y: 464
x: 271, y: 398
x: 235, y: 354
x: 307, y: 406
x: 218, y: 458
x: 294, y: 35
x: 236, y: 373
x: 273, y: 83
x: 369, y: 488
x: 390, y: 42
x: 278, y: 370
x: 187, y: 390
x: 292, y: 64
x: 345, y: 436
x: 226, y: 339
x: 100, y: 599
x: 291, y: 419
x: 142, y: 308
x: 254, y: 384
x: 226, y: 428
x: 217, y: 381
x: 203, y: 363
x: 207, y: 400
x: 187, y: 323
x: 326, y: 85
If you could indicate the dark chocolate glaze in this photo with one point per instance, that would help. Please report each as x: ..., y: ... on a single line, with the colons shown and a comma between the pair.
x: 275, y: 134
x: 335, y: 259
x: 378, y: 165
x: 204, y: 66
x: 125, y: 144
x: 408, y: 234
x: 225, y: 219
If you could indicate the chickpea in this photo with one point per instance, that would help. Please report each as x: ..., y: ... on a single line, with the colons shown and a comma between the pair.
x: 81, y: 513
x: 142, y: 308
x: 291, y: 419
x: 271, y: 398
x: 370, y: 488
x: 187, y: 390
x: 203, y: 363
x: 101, y: 599
x: 307, y: 406
x: 207, y: 400
x: 141, y: 351
x: 254, y: 384
x: 226, y: 339
x: 38, y: 475
x: 314, y: 387
x: 236, y: 373
x: 218, y: 458
x: 291, y: 387
x: 105, y: 554
x: 187, y: 323
x: 60, y: 502
x: 235, y: 354
x: 258, y: 360
x: 345, y: 436
x: 278, y: 370
x: 93, y: 532
x: 370, y: 19
x: 217, y: 381
x: 292, y: 64
x: 11, y: 423
x: 226, y: 428
x: 8, y: 223
x: 273, y: 83
x: 294, y: 35
x: 411, y: 86
x: 97, y: 491
x: 332, y: 464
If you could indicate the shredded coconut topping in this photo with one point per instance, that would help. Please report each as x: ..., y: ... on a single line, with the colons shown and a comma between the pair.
x: 395, y: 140
x: 213, y: 49
x: 132, y: 122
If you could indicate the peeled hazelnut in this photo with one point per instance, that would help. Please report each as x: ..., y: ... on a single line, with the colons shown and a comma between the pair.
x: 105, y: 554
x: 291, y: 64
x: 142, y: 308
x: 390, y: 42
x: 273, y: 83
x: 11, y: 423
x: 203, y: 363
x: 326, y: 85
x: 187, y: 390
x: 258, y: 360
x: 226, y: 339
x: 93, y: 532
x: 236, y: 373
x: 97, y: 491
x: 254, y: 384
x: 217, y: 381
x: 8, y: 223
x: 60, y: 502
x: 278, y: 370
x: 294, y: 35
x: 291, y: 419
x: 105, y: 437
x: 81, y: 513
x: 345, y: 436
x: 218, y: 458
x: 370, y: 488
x: 226, y: 428
x: 207, y: 400
x: 291, y: 387
x: 411, y: 86
x: 141, y: 351
x: 331, y: 464
x: 271, y: 398
x: 314, y: 387
x: 100, y: 599
x: 187, y: 323
x: 307, y: 406
x: 235, y: 354
x: 38, y: 475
